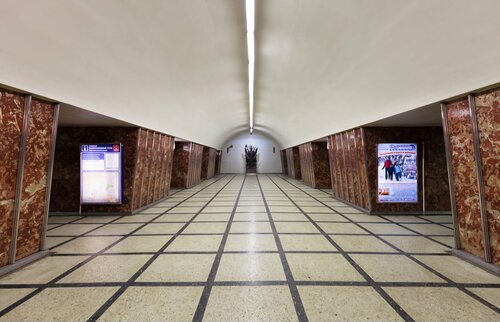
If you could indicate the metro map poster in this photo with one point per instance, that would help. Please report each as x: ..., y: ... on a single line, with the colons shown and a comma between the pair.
x: 101, y: 173
x: 397, y: 172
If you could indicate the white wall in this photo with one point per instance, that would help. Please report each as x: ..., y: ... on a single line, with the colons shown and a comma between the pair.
x: 267, y: 161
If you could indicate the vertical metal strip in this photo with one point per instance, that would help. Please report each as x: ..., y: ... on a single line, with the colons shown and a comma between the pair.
x: 50, y: 169
x: 480, y: 181
x: 365, y: 156
x: 451, y: 181
x: 136, y: 160
x: 143, y: 167
x: 19, y: 179
x: 361, y: 197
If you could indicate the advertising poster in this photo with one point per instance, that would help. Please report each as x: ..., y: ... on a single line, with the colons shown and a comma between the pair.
x: 101, y: 173
x: 397, y: 172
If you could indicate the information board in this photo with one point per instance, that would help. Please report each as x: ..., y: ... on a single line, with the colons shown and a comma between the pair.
x: 101, y: 173
x: 397, y: 172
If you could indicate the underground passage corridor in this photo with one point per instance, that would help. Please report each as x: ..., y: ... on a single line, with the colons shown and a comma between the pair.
x: 249, y: 160
x: 254, y: 247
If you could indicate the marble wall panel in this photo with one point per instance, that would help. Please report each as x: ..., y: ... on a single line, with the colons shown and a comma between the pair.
x: 65, y: 193
x: 169, y: 163
x: 180, y: 164
x: 488, y: 124
x: 34, y: 183
x: 11, y: 123
x: 218, y: 159
x: 465, y: 177
x: 306, y: 164
x: 159, y: 168
x: 358, y: 142
x: 152, y: 167
x: 321, y: 165
x: 296, y: 163
x: 204, y: 163
x: 147, y: 168
x: 333, y: 167
x: 211, y: 163
x: 353, y: 168
x: 139, y: 167
x: 284, y: 163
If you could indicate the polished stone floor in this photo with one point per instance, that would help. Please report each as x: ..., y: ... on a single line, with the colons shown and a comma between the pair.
x: 260, y: 247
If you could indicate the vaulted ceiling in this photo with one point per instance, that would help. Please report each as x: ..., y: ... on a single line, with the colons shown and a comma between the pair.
x: 180, y: 66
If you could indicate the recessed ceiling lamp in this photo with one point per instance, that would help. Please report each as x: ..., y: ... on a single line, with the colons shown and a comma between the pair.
x: 250, y: 15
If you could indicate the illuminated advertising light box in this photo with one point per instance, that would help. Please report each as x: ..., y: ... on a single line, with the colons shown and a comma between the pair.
x: 397, y: 172
x: 101, y: 178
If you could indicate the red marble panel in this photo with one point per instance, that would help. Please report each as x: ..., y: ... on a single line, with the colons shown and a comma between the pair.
x: 347, y: 166
x: 361, y: 166
x: 147, y: 169
x: 169, y: 164
x: 204, y: 163
x: 321, y: 165
x: 65, y: 193
x: 353, y: 166
x: 296, y: 163
x: 341, y: 168
x: 333, y: 166
x: 162, y: 175
x: 465, y: 177
x: 158, y: 168
x: 11, y: 121
x: 152, y: 167
x: 139, y: 168
x: 180, y: 164
x: 34, y: 183
x: 488, y: 124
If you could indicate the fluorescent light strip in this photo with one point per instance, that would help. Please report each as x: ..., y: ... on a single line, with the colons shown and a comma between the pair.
x: 250, y: 15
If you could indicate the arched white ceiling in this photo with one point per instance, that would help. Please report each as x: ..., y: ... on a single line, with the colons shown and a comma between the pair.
x: 180, y: 66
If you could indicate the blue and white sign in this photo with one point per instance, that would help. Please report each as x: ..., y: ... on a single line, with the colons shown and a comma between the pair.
x: 101, y: 173
x: 397, y: 172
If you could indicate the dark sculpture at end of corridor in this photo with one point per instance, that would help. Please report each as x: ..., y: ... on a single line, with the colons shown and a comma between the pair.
x: 251, y: 159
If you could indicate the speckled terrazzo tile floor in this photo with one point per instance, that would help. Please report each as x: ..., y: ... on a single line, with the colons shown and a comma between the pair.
x: 246, y: 248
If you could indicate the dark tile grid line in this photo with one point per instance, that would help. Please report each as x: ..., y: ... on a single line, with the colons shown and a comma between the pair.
x: 77, y: 266
x: 297, y: 301
x: 150, y: 261
x: 452, y: 283
x: 376, y: 286
x: 205, y: 295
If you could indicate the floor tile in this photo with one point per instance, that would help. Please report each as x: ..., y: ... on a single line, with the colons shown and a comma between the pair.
x: 193, y: 243
x: 250, y: 267
x: 416, y: 244
x: 174, y: 218
x: 450, y: 241
x: 72, y: 229
x: 212, y: 209
x: 430, y: 229
x: 179, y: 268
x: 154, y: 304
x: 362, y: 244
x: 389, y: 229
x: 327, y: 217
x: 54, y: 241
x: 62, y: 219
x: 160, y: 228
x: 184, y: 210
x: 107, y: 268
x: 341, y: 228
x: 86, y: 245
x: 11, y: 296
x: 138, y: 244
x: 261, y: 216
x: 317, y: 209
x: 252, y: 208
x: 440, y: 304
x: 205, y: 228
x: 295, y: 227
x: 250, y: 227
x: 404, y: 219
x: 250, y: 242
x: 365, y: 218
x: 306, y: 243
x: 318, y: 267
x: 213, y: 217
x: 42, y: 271
x: 491, y: 295
x: 97, y: 219
x: 245, y: 303
x: 283, y: 216
x: 283, y: 208
x: 115, y: 229
x: 344, y: 303
x: 394, y: 268
x: 458, y: 270
x: 61, y: 304
x: 135, y: 219
x: 440, y: 218
x: 155, y: 210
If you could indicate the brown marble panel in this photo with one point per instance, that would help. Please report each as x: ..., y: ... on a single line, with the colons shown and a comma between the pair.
x: 361, y: 166
x: 353, y: 168
x: 204, y: 162
x: 340, y: 167
x: 488, y: 124
x: 211, y: 163
x: 465, y: 177
x: 180, y: 164
x: 306, y: 164
x: 139, y: 172
x: 147, y: 168
x: 65, y: 192
x: 152, y: 167
x: 333, y: 166
x: 346, y: 167
x: 284, y: 163
x: 11, y: 122
x: 34, y: 182
x: 321, y: 165
x: 159, y: 168
x: 170, y: 161
x: 218, y: 159
x: 289, y: 159
x: 296, y: 163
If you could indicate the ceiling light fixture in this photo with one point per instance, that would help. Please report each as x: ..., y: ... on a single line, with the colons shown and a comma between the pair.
x: 250, y: 15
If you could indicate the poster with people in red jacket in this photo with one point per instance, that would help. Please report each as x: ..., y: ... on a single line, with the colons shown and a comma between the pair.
x: 397, y: 172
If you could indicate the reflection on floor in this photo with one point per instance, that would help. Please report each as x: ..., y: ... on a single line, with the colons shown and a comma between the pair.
x: 250, y: 248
